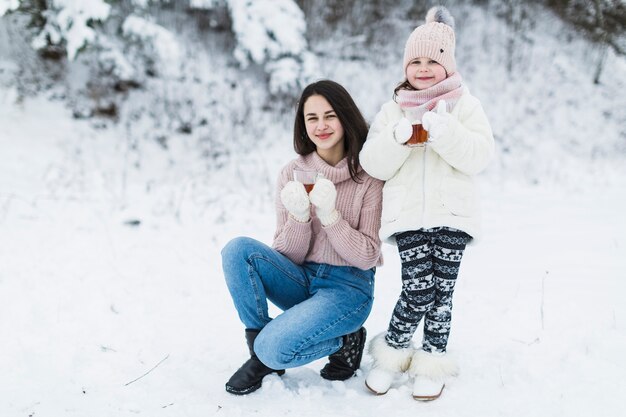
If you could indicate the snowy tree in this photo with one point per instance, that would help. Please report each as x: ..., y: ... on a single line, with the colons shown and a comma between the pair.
x: 264, y: 39
x: 602, y: 21
x: 70, y: 23
x: 8, y: 5
x: 156, y: 43
x: 203, y: 4
x: 519, y: 23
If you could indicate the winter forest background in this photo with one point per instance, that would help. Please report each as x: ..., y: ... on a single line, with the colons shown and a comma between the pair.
x: 138, y: 136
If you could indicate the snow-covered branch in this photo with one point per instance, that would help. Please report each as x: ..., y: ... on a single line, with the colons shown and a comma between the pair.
x: 8, y: 6
x: 70, y: 22
x: 160, y: 40
x: 271, y: 33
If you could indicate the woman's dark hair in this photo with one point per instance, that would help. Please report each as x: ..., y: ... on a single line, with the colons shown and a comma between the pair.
x: 354, y: 125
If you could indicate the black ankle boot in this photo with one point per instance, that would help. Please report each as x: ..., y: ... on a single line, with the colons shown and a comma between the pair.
x: 344, y: 363
x: 249, y: 377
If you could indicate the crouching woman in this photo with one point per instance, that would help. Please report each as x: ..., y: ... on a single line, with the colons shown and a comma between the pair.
x: 320, y: 268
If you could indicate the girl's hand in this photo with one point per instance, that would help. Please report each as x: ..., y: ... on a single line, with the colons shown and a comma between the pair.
x: 436, y: 122
x: 324, y: 196
x: 403, y: 131
x: 296, y: 201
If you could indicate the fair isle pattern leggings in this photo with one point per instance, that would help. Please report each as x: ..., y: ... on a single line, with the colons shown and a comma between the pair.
x: 430, y: 264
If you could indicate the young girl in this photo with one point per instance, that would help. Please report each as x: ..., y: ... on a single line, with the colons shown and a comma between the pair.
x: 429, y: 202
x: 320, y: 270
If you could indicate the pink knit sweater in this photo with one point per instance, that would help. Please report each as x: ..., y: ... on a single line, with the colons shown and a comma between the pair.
x: 352, y: 240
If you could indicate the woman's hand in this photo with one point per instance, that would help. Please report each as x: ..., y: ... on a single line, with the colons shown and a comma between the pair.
x: 323, y: 197
x: 296, y: 201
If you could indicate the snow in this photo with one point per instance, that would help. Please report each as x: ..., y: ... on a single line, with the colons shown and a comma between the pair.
x: 284, y: 75
x: 91, y: 303
x: 203, y: 4
x: 165, y: 45
x: 112, y: 300
x: 140, y: 3
x: 8, y: 5
x: 273, y: 34
x: 70, y: 21
x: 114, y: 60
x: 262, y: 32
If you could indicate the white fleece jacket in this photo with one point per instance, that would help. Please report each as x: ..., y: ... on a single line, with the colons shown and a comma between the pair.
x: 433, y: 185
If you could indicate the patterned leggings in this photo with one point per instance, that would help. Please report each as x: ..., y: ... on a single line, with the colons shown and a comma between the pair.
x: 430, y: 264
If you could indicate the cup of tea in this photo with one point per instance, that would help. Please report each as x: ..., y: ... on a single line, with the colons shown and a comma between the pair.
x: 305, y: 177
x: 419, y: 136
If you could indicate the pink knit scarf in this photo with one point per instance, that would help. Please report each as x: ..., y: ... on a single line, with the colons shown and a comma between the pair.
x: 418, y: 102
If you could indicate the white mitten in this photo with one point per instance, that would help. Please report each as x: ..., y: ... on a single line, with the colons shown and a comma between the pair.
x: 323, y: 197
x: 403, y: 131
x: 296, y: 201
x: 436, y: 122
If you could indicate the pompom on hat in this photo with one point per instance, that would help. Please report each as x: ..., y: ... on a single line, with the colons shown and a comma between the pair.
x: 434, y: 39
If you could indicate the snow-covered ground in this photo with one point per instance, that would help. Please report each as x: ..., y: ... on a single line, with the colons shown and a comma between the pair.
x: 112, y: 301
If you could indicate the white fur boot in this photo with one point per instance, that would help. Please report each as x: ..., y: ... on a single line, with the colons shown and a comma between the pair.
x: 430, y: 371
x: 389, y: 363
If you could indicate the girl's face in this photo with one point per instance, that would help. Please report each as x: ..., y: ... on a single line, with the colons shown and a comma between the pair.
x: 324, y: 128
x: 423, y: 72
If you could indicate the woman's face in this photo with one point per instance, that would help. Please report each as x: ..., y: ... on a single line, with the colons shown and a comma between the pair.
x: 323, y: 127
x: 424, y: 72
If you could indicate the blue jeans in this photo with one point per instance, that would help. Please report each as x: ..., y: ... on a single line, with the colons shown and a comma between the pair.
x: 320, y: 302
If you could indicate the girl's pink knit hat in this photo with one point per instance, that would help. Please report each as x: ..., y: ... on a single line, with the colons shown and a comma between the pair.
x: 434, y: 40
